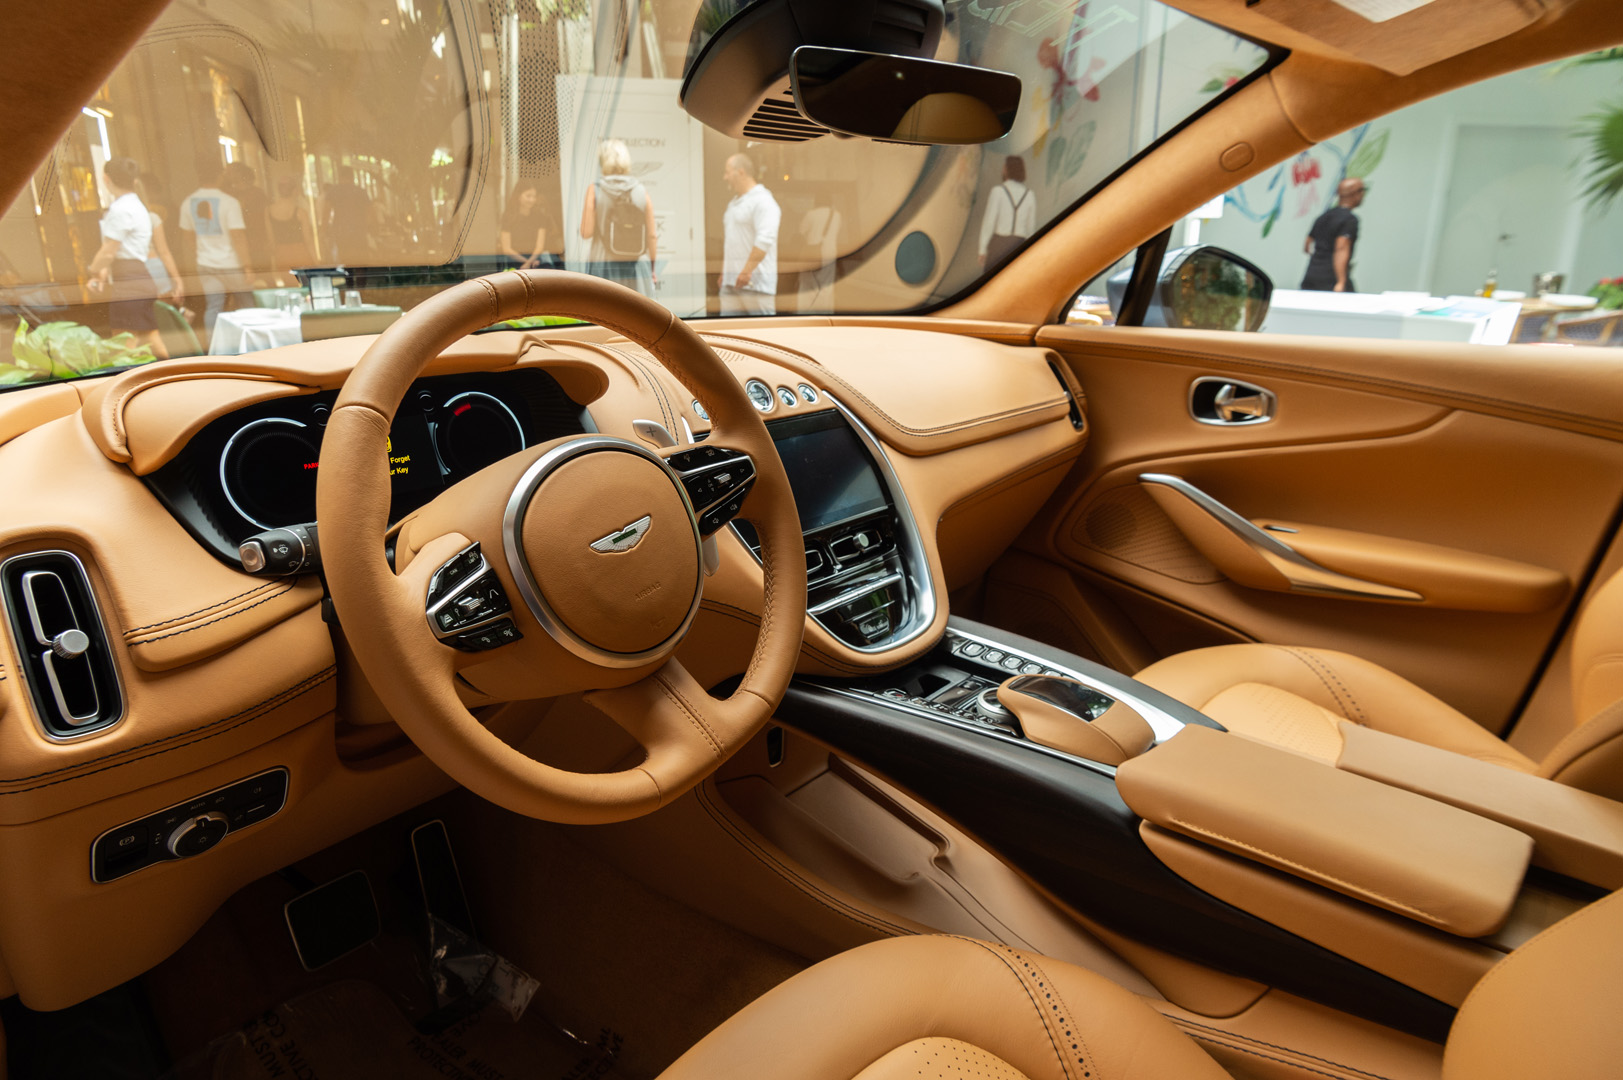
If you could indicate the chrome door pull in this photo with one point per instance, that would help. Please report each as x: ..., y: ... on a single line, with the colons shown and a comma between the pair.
x: 1214, y: 400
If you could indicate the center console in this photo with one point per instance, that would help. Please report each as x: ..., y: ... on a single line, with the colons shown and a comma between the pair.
x: 868, y: 578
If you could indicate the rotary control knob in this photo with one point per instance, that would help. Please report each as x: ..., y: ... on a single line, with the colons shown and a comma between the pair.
x: 197, y: 834
x: 70, y: 644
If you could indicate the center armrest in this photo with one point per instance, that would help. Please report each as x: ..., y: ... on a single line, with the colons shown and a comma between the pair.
x: 1574, y: 832
x: 1420, y: 858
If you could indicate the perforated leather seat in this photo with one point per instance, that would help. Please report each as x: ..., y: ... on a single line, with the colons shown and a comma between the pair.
x: 1297, y: 697
x: 943, y: 1008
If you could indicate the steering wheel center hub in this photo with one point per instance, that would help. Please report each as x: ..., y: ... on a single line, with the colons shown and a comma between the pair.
x: 605, y: 550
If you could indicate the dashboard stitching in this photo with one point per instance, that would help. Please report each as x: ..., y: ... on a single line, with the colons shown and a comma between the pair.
x: 941, y: 429
x: 653, y: 383
x: 200, y: 611
x: 275, y: 701
x: 211, y: 622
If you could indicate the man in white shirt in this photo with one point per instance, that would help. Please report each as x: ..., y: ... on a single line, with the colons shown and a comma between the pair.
x: 1011, y: 214
x: 749, y: 255
x: 214, y: 221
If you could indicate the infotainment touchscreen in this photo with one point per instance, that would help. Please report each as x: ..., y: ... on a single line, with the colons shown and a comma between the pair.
x: 829, y: 469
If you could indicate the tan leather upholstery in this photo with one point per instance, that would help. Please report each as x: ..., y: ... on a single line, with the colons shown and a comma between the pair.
x: 945, y: 1007
x: 1296, y: 698
x: 1550, y: 1008
x: 1420, y: 858
x: 948, y: 1008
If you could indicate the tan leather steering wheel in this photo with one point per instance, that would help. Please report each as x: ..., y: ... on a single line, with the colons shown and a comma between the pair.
x: 599, y: 608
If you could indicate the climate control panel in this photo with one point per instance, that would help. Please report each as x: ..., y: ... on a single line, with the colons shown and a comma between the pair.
x: 188, y: 828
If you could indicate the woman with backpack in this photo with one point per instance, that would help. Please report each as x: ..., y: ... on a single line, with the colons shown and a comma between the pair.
x: 618, y: 219
x: 1011, y: 214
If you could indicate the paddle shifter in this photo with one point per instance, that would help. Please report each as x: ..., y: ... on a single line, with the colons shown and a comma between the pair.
x: 1065, y: 715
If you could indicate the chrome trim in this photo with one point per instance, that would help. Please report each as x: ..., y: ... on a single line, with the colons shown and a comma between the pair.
x: 225, y: 456
x: 190, y: 824
x: 867, y: 588
x: 530, y: 589
x: 32, y: 601
x: 1232, y: 412
x: 287, y: 797
x: 738, y: 457
x: 1303, y: 574
x: 967, y: 725
x: 770, y: 393
x: 808, y: 393
x: 700, y: 411
x: 48, y: 658
x: 431, y: 610
x: 101, y: 630
x: 687, y: 431
x: 787, y: 397
x: 910, y: 544
x: 1163, y: 723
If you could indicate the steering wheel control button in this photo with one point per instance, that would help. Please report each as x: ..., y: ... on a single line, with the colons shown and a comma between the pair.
x: 493, y: 636
x: 716, y: 481
x: 457, y: 569
x: 196, y: 835
x: 713, y: 519
x: 189, y: 828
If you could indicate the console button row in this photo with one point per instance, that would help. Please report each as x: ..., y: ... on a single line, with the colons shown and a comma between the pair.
x: 1011, y: 662
x: 189, y: 828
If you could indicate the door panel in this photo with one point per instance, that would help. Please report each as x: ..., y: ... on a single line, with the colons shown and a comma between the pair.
x: 1509, y: 454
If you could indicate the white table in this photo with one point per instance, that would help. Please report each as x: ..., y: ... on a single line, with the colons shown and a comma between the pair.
x: 248, y: 330
x: 1407, y: 316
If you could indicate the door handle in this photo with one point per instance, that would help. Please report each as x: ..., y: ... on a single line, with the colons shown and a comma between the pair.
x: 1227, y: 402
x: 1251, y: 556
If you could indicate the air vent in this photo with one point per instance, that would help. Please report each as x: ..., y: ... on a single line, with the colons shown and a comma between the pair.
x: 780, y: 121
x: 907, y: 24
x: 59, y: 635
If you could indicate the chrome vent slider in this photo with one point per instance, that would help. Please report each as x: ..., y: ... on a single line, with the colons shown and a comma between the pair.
x: 66, y: 661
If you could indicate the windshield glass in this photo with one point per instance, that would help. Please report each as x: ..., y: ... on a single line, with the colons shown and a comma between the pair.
x: 263, y: 172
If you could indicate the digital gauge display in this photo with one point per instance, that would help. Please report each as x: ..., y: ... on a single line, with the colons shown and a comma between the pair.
x: 268, y: 471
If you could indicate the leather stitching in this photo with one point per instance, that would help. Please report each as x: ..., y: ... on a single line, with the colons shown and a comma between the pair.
x: 767, y: 563
x: 766, y: 859
x: 211, y: 622
x: 675, y: 698
x: 248, y: 715
x: 1002, y: 953
x: 201, y: 611
x: 1317, y: 875
x: 1306, y: 660
x: 940, y: 429
x: 654, y: 385
x: 1186, y: 1023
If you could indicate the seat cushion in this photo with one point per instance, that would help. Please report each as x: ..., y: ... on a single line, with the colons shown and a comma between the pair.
x: 947, y: 1008
x: 1296, y: 697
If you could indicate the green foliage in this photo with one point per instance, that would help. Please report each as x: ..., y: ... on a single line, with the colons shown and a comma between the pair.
x: 1604, y: 179
x: 530, y: 322
x: 1368, y: 156
x: 1609, y: 292
x: 67, y: 350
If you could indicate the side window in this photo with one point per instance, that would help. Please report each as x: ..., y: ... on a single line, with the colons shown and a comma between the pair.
x: 1488, y: 215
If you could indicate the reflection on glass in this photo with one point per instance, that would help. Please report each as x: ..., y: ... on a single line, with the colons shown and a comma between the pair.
x: 418, y: 143
x: 902, y: 98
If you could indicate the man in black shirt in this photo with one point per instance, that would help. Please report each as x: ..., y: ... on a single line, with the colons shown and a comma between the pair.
x: 1330, y: 242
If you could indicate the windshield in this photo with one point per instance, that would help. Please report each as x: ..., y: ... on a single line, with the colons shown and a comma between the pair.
x: 263, y: 172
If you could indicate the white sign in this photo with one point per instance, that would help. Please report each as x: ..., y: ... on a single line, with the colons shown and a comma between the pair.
x: 667, y: 155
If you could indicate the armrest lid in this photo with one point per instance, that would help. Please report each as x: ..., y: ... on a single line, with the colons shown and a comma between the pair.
x: 1411, y: 855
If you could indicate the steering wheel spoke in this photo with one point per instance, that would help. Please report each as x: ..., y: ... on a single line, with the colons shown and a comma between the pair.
x: 717, y: 480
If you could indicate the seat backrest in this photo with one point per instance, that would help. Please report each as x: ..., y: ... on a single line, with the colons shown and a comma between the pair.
x: 1591, y: 756
x: 1549, y: 1009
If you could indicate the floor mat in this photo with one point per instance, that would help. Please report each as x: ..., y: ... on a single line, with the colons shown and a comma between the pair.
x: 353, y: 1030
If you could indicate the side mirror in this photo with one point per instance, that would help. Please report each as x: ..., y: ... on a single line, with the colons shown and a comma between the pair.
x: 902, y: 98
x: 1202, y: 288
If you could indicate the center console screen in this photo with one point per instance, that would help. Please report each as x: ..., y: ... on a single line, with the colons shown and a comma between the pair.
x: 829, y: 469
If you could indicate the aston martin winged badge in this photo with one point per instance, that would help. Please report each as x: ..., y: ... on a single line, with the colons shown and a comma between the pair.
x: 624, y: 539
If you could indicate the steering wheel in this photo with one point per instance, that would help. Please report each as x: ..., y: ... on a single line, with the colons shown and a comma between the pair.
x: 588, y: 548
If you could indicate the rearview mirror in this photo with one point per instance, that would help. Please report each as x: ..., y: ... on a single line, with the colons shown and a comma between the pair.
x: 902, y: 98
x: 1202, y: 288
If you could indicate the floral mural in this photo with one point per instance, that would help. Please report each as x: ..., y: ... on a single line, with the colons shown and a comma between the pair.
x: 1306, y: 185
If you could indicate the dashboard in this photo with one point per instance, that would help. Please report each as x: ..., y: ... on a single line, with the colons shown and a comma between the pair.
x: 255, y: 469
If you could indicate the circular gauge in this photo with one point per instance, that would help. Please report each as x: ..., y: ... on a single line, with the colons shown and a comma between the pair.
x: 787, y: 396
x: 760, y: 395
x: 809, y: 392
x: 268, y: 472
x: 475, y: 430
x: 699, y: 410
